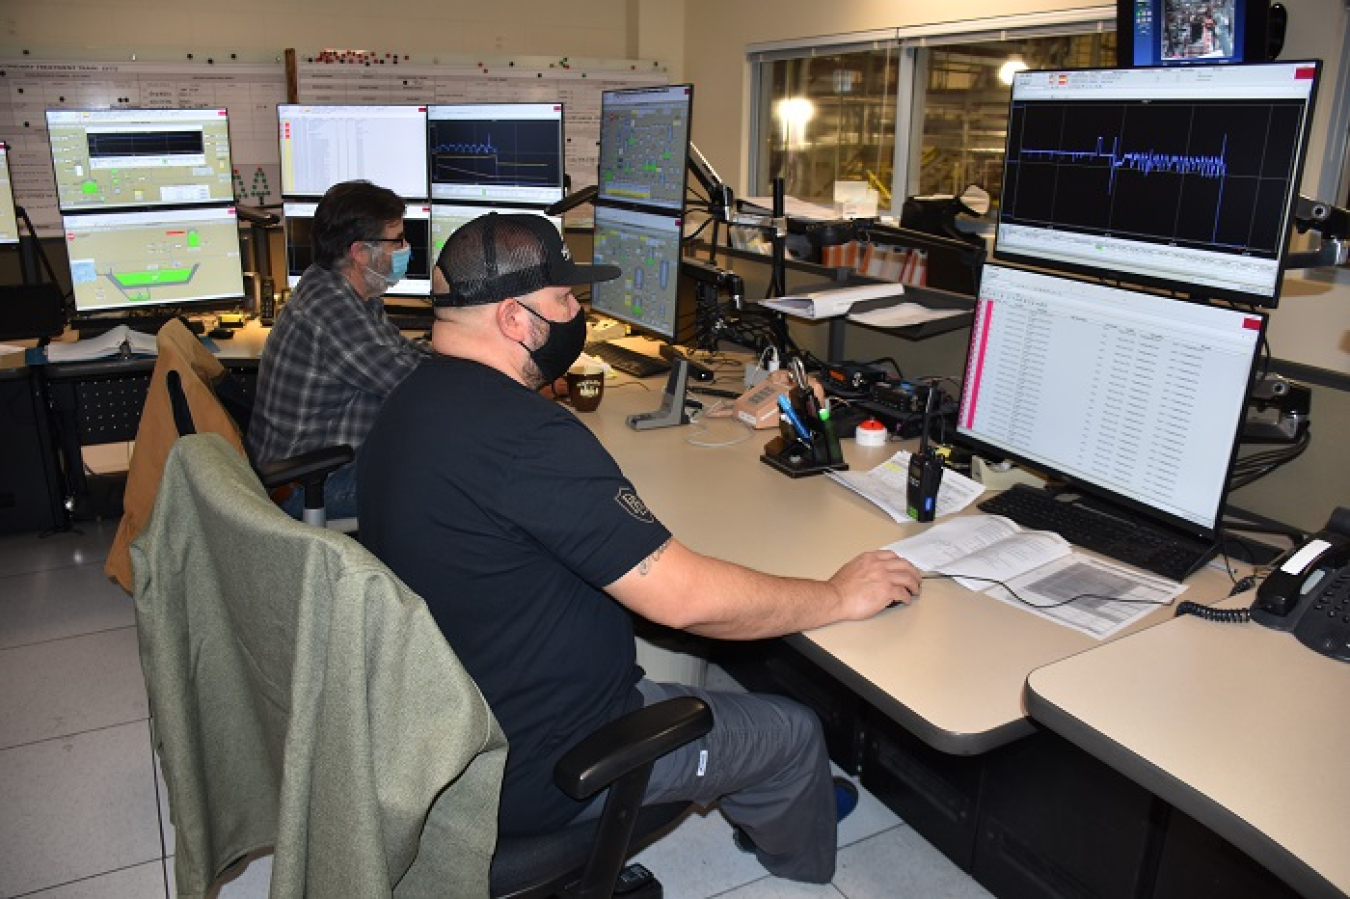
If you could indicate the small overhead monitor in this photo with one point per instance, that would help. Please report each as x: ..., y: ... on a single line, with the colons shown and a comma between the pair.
x: 325, y: 145
x: 496, y: 152
x: 9, y: 216
x: 1184, y: 179
x: 107, y: 159
x: 447, y: 218
x: 298, y: 220
x: 1136, y: 398
x: 646, y: 246
x: 644, y: 146
x: 157, y: 258
x: 1186, y: 32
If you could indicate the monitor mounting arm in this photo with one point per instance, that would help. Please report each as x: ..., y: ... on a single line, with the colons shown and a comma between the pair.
x: 1331, y: 222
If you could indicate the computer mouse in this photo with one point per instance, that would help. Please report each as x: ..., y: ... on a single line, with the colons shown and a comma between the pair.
x: 221, y: 334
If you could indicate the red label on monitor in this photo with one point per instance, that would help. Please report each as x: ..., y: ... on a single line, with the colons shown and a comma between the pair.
x: 1305, y: 73
x: 1251, y: 324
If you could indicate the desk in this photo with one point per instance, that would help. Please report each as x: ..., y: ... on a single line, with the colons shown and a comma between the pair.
x: 100, y: 401
x: 925, y: 702
x: 949, y: 668
x: 1239, y: 726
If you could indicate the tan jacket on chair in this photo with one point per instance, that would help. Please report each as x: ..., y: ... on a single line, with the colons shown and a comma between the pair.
x: 181, y: 351
x: 302, y: 696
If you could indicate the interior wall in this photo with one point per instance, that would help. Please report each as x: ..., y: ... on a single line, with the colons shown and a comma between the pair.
x: 152, y: 28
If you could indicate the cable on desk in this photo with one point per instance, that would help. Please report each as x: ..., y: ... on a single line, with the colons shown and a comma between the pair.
x: 1226, y: 616
x: 938, y: 575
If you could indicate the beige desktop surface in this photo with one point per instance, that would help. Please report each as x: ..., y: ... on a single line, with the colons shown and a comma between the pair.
x: 1239, y: 726
x: 950, y: 667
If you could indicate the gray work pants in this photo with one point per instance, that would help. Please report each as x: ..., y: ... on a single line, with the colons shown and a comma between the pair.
x: 765, y: 765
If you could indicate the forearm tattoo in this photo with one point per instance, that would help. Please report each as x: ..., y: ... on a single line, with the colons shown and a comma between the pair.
x: 645, y: 566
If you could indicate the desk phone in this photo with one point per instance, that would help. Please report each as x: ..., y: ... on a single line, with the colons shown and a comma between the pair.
x: 1308, y: 591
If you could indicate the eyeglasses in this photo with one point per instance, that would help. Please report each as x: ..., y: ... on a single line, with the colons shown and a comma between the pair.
x: 401, y: 240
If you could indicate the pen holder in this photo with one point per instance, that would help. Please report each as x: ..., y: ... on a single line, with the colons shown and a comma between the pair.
x: 798, y: 455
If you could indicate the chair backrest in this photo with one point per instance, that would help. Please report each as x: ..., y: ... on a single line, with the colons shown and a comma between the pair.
x: 179, y: 351
x: 304, y: 697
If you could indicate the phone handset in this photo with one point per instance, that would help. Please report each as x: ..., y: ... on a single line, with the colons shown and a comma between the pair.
x: 1299, y: 573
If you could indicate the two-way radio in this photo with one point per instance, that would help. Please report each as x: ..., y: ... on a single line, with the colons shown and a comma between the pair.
x: 925, y: 472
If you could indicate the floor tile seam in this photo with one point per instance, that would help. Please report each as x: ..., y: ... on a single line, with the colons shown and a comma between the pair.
x: 72, y: 735
x: 57, y: 886
x: 94, y: 633
x: 873, y: 834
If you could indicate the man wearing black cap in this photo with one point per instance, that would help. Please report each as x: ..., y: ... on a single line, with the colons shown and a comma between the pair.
x: 531, y: 549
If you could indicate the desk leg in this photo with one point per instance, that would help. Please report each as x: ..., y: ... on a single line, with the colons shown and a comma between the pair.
x: 53, y: 469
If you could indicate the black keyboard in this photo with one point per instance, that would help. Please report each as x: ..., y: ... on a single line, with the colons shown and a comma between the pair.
x: 630, y: 362
x: 1117, y: 534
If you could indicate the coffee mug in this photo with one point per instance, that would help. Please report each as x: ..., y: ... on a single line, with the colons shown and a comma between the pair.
x: 585, y: 387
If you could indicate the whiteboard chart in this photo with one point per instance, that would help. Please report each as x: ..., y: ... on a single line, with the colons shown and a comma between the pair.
x: 251, y: 92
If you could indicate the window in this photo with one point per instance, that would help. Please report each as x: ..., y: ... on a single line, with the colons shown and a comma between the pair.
x: 908, y: 115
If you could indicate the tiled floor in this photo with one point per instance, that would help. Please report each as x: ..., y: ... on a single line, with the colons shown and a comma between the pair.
x: 83, y: 812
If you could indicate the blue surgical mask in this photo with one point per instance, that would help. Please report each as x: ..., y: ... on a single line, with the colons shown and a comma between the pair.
x: 398, y: 268
x: 398, y: 265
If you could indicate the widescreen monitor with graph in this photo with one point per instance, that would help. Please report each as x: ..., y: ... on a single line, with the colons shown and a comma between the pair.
x: 107, y: 159
x: 496, y: 152
x: 1181, y: 178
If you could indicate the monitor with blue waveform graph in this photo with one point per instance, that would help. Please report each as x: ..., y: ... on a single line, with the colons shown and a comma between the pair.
x: 496, y: 152
x: 1181, y: 178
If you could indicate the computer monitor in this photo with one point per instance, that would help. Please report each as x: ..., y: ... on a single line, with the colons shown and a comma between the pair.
x: 447, y: 218
x: 496, y: 152
x: 1180, y: 178
x: 646, y: 246
x: 1129, y: 396
x: 1185, y: 32
x: 298, y: 219
x: 9, y: 216
x: 644, y: 146
x: 160, y: 258
x: 324, y: 145
x: 127, y: 158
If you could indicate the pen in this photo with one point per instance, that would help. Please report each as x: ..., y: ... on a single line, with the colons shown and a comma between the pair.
x: 792, y: 416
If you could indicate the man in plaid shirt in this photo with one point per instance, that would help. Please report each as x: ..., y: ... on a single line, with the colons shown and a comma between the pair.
x: 333, y: 356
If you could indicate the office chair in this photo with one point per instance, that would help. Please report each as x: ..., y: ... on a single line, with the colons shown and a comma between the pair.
x: 183, y: 388
x: 304, y: 698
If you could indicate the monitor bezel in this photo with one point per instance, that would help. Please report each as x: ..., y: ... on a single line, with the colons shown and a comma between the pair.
x: 1082, y: 484
x: 155, y: 218
x: 1193, y: 290
x: 128, y: 114
x: 352, y: 110
x: 9, y: 204
x: 1253, y: 46
x: 608, y: 99
x: 680, y: 302
x: 488, y: 196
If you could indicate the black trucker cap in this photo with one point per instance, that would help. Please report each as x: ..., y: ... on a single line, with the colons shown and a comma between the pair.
x: 498, y: 256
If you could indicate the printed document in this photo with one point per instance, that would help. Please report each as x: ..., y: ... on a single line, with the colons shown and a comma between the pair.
x: 901, y: 316
x: 1083, y: 592
x: 887, y: 486
x: 107, y: 345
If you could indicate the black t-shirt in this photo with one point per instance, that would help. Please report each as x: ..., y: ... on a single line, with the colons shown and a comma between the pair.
x: 507, y: 516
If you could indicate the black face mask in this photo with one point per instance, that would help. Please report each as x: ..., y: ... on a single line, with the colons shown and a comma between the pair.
x: 563, y: 345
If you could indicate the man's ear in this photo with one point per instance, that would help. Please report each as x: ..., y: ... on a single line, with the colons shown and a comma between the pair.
x: 511, y: 320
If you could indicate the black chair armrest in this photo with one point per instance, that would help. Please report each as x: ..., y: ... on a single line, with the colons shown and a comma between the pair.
x: 319, y: 463
x: 628, y: 743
